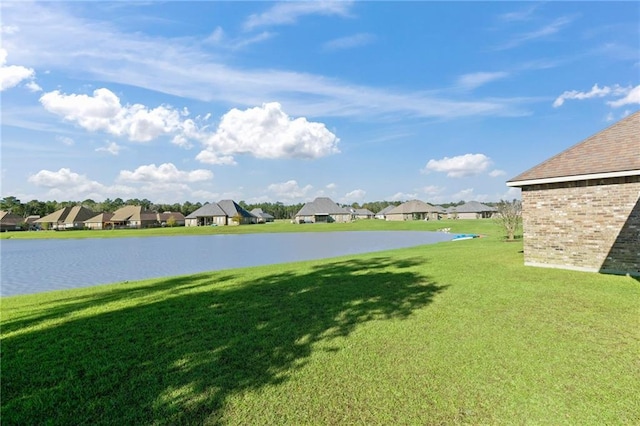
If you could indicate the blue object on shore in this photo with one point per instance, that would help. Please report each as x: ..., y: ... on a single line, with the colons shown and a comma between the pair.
x: 465, y: 237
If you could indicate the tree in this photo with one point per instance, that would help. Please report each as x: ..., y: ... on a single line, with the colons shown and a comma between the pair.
x: 509, y: 216
x: 171, y: 222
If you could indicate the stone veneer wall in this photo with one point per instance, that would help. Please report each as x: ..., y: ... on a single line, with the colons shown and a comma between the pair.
x: 591, y: 225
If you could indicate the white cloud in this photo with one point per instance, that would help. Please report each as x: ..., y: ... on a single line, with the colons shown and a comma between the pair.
x: 267, y: 132
x: 595, y: 92
x: 210, y: 157
x: 290, y: 12
x: 112, y: 148
x: 432, y: 189
x: 633, y: 97
x: 355, y: 195
x: 474, y: 80
x: 33, y: 86
x: 349, y: 42
x: 219, y: 38
x: 8, y: 29
x: 460, y: 166
x: 466, y: 195
x: 289, y: 189
x: 496, y: 173
x: 66, y: 140
x: 70, y: 185
x: 542, y: 32
x: 12, y: 75
x: 165, y: 173
x: 402, y: 196
x: 331, y: 186
x: 103, y: 112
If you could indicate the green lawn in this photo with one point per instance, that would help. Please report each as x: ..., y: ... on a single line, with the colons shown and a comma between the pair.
x: 451, y: 333
x: 477, y: 226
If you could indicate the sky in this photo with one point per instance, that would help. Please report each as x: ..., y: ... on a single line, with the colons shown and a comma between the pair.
x: 265, y: 101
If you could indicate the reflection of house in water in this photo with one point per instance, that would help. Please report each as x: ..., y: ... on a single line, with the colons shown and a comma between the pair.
x: 580, y: 208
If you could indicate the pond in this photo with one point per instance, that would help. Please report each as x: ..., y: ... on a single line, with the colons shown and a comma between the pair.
x: 33, y: 266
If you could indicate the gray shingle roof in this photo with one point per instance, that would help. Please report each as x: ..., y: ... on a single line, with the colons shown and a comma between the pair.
x: 386, y: 209
x: 321, y: 205
x: 414, y: 206
x: 231, y: 208
x: 615, y: 149
x: 209, y: 209
x: 260, y: 213
x: 471, y: 207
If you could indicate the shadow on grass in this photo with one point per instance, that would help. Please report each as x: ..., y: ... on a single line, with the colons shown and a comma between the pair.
x: 174, y: 359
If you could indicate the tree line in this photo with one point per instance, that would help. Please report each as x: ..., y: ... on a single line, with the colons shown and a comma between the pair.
x: 278, y: 209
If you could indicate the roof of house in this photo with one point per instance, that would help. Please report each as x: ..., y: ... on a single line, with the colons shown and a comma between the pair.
x: 163, y: 217
x: 471, y: 207
x: 613, y: 152
x: 100, y: 218
x: 67, y: 215
x: 260, y: 213
x: 231, y: 208
x: 126, y: 213
x: 386, y: 210
x: 414, y: 206
x: 364, y: 212
x: 209, y: 209
x: 321, y: 206
x: 8, y: 218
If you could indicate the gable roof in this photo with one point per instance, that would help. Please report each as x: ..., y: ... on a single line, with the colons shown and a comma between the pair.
x: 386, y: 210
x: 321, y: 206
x: 613, y: 152
x: 67, y: 215
x: 260, y: 213
x: 231, y: 208
x: 471, y: 207
x: 126, y: 213
x: 414, y: 206
x: 100, y: 218
x: 8, y: 218
x: 363, y: 212
x: 209, y: 209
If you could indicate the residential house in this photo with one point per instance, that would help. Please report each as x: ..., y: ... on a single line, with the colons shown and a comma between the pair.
x: 133, y: 217
x: 415, y: 210
x: 382, y: 214
x: 99, y: 221
x: 66, y: 218
x: 363, y: 214
x: 166, y: 219
x: 322, y: 210
x: 225, y: 212
x: 30, y: 222
x: 262, y: 216
x: 211, y: 214
x: 581, y: 208
x: 10, y: 221
x: 470, y: 210
x: 236, y: 215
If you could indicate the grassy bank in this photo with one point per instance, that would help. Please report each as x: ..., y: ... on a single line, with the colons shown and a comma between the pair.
x: 477, y: 226
x: 457, y: 332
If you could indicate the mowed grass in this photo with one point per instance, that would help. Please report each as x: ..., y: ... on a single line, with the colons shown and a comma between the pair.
x: 477, y: 226
x: 451, y: 333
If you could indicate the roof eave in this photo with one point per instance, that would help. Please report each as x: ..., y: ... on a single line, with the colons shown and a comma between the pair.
x: 526, y: 182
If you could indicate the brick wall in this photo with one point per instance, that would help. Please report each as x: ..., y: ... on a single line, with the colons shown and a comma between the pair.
x: 591, y: 225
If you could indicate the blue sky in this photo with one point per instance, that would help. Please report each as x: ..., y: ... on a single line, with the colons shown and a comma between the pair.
x: 265, y: 101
